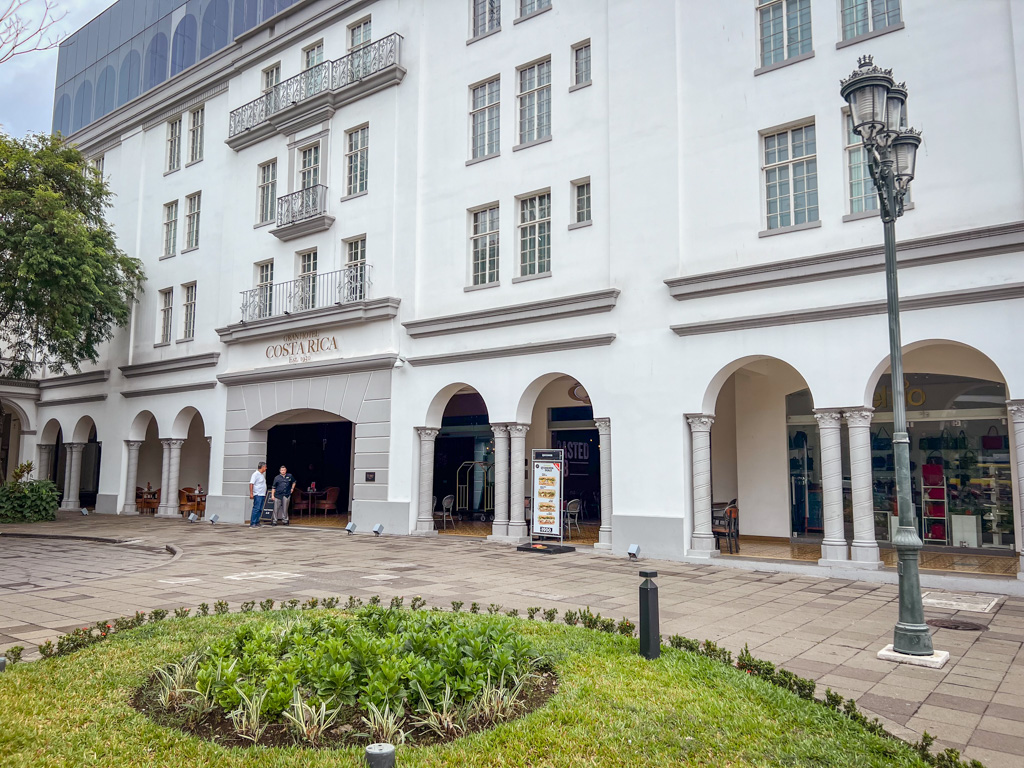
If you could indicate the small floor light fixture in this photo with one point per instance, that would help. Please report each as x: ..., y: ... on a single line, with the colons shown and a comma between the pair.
x: 193, y: 517
x: 380, y: 756
x: 351, y: 528
x: 3, y: 663
x: 214, y: 519
x: 85, y: 511
x: 634, y: 551
x: 378, y: 529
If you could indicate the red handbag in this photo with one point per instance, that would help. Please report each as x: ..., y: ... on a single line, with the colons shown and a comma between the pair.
x: 932, y: 474
x: 938, y: 530
x: 993, y: 441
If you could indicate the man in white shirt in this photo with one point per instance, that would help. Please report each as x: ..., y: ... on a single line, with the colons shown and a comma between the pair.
x: 258, y: 493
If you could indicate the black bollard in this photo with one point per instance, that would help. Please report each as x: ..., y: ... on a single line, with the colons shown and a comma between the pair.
x: 380, y: 756
x: 650, y: 633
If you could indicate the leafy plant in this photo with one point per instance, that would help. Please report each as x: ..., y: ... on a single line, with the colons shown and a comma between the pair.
x: 353, y: 604
x: 248, y: 606
x: 397, y: 602
x: 550, y: 614
x: 513, y: 612
x: 570, y: 617
x: 532, y: 612
x: 181, y: 613
x: 493, y: 608
x: 329, y: 602
x: 417, y: 602
x: 456, y: 606
x: 220, y: 607
x: 266, y: 605
x: 204, y: 609
x: 309, y: 723
x: 445, y: 720
x: 474, y: 607
x: 290, y: 605
x: 385, y: 724
x: 24, y: 500
x: 13, y: 654
x: 158, y: 614
x: 311, y: 604
x: 248, y: 716
x: 46, y: 649
x: 626, y: 627
x: 374, y: 600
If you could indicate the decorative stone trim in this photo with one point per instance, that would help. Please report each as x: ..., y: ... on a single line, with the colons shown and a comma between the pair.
x: 170, y: 390
x: 206, y: 360
x: 74, y: 400
x: 869, y: 35
x: 273, y: 373
x: 344, y: 314
x: 536, y: 348
x: 75, y: 379
x: 302, y: 228
x: 780, y: 64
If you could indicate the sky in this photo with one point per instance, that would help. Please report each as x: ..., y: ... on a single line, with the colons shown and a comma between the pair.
x: 27, y: 81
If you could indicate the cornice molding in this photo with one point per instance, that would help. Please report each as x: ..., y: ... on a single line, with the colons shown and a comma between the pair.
x: 515, y: 314
x: 75, y: 379
x: 861, y: 309
x: 310, y: 370
x: 173, y: 389
x: 345, y: 314
x: 206, y: 360
x: 919, y: 252
x: 73, y: 400
x: 536, y: 348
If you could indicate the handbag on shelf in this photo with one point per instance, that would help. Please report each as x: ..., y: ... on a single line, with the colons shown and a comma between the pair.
x: 933, y: 474
x: 798, y: 440
x: 993, y: 441
x: 961, y: 441
x: 881, y: 440
x: 938, y: 530
x: 878, y: 462
x: 968, y: 459
x: 794, y: 465
x: 930, y: 443
x: 890, y: 462
x: 948, y: 442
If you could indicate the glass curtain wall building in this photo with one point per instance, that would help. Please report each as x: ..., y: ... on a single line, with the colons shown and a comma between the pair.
x: 135, y: 45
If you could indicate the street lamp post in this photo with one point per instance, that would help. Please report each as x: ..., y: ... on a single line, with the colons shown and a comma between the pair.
x: 878, y: 109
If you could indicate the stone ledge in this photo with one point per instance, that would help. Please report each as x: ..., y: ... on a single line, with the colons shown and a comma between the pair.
x: 936, y: 660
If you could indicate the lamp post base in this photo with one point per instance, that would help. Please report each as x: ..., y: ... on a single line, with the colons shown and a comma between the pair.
x: 936, y: 660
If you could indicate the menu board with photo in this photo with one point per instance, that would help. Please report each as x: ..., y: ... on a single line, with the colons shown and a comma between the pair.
x: 547, y: 492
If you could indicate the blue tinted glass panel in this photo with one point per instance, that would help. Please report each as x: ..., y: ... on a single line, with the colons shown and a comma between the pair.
x: 156, y: 60
x: 214, y: 35
x: 83, y: 106
x: 106, y: 91
x: 62, y: 114
x: 183, y: 46
x: 130, y: 77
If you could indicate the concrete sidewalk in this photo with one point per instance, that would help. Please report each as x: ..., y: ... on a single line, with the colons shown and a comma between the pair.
x: 826, y: 629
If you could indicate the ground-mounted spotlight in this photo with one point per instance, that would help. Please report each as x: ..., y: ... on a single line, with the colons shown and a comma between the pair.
x: 214, y: 519
x: 193, y: 517
x: 634, y: 551
x: 350, y: 528
x: 85, y: 512
x: 378, y: 529
x: 3, y: 663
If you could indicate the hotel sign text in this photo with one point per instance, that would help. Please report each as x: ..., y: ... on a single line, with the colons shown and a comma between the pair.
x: 301, y: 347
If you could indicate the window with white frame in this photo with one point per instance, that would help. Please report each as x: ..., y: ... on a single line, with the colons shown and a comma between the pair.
x: 790, y: 177
x: 526, y: 7
x: 307, y: 280
x: 97, y: 164
x: 863, y: 195
x: 166, y: 315
x: 174, y: 145
x: 484, y: 118
x: 863, y: 16
x: 355, y: 270
x: 484, y: 245
x: 195, y: 134
x: 535, y: 234
x: 581, y: 194
x: 785, y: 29
x: 581, y: 63
x: 309, y: 167
x: 486, y: 16
x: 193, y: 204
x: 271, y: 76
x: 313, y: 55
x: 265, y: 289
x: 357, y: 158
x: 267, y: 183
x: 171, y: 228
x: 189, y: 311
x: 535, y: 102
x: 359, y: 35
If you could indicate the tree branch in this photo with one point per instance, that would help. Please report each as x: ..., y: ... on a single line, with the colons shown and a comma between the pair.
x: 19, y: 34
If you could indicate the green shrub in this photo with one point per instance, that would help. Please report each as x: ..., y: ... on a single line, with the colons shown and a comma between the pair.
x: 266, y: 605
x: 456, y: 606
x: 417, y: 602
x: 531, y: 613
x: 248, y: 606
x: 397, y: 602
x: 550, y: 614
x: 203, y: 610
x: 474, y: 607
x: 23, y: 500
x: 182, y: 612
x: 220, y: 607
x: 329, y: 602
x: 353, y: 604
x: 13, y: 654
x: 158, y: 614
x: 572, y: 618
x: 626, y: 627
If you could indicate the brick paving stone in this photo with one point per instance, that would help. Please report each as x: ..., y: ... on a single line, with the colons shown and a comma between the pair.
x: 999, y: 742
x: 957, y: 703
x: 992, y: 758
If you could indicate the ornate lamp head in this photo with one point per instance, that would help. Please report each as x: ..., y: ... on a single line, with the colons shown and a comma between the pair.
x: 867, y: 90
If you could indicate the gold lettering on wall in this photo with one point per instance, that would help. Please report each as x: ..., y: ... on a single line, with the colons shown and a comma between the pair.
x: 301, y: 347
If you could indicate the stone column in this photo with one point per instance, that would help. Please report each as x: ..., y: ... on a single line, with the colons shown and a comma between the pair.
x: 604, y: 434
x: 165, y: 462
x: 72, y: 475
x: 169, y: 506
x: 499, y: 530
x: 864, y: 550
x: 517, y: 529
x: 1015, y: 409
x: 132, y: 479
x: 702, y: 543
x: 425, y: 516
x: 833, y: 546
x: 45, y: 464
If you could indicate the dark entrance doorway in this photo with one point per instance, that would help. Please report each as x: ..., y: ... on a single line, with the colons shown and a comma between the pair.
x: 318, y: 453
x: 582, y: 468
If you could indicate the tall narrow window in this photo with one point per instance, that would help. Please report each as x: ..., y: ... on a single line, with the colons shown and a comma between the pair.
x: 357, y: 158
x: 271, y: 77
x: 309, y: 172
x: 313, y: 55
x: 535, y: 235
x: 581, y: 64
x: 174, y: 145
x: 791, y: 177
x: 265, y: 289
x: 267, y: 191
x: 192, y: 220
x: 359, y: 35
x: 307, y: 280
x: 171, y: 228
x: 785, y: 29
x: 863, y: 16
x: 97, y: 164
x: 484, y: 116
x: 195, y: 134
x: 582, y: 191
x: 486, y: 16
x: 355, y: 270
x: 863, y: 193
x: 359, y: 47
x: 189, y: 310
x: 526, y: 7
x: 484, y: 246
x: 166, y: 310
x: 535, y: 102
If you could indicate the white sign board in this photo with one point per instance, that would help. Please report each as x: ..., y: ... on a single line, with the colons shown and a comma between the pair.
x: 547, y: 493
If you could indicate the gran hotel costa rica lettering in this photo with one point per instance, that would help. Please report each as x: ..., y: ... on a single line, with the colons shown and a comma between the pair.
x: 301, y: 347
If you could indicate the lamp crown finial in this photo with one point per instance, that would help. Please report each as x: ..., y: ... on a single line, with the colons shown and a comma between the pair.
x: 865, y: 61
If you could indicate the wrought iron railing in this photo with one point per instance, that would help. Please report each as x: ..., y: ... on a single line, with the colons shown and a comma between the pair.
x: 329, y: 75
x: 307, y: 292
x: 304, y: 204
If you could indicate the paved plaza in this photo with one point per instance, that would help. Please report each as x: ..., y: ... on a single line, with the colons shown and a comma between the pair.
x: 827, y: 629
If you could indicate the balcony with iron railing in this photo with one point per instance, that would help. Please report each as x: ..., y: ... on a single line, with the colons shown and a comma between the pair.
x: 309, y: 292
x: 302, y: 213
x: 316, y: 93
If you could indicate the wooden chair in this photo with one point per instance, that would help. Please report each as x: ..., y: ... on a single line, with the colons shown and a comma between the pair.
x: 185, y: 504
x: 572, y: 516
x: 331, y: 502
x: 446, y: 511
x: 727, y: 526
x: 150, y: 505
x: 300, y: 503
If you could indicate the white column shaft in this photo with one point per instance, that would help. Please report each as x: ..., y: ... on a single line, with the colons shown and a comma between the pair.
x: 604, y: 432
x: 833, y: 547
x: 1015, y: 409
x: 501, y: 480
x: 131, y: 480
x: 702, y: 543
x: 72, y: 476
x: 517, y: 493
x: 864, y: 550
x: 425, y: 514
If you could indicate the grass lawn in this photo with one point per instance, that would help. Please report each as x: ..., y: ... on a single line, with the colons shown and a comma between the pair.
x: 612, y: 708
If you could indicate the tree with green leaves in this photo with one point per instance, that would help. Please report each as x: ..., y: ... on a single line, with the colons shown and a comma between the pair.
x: 64, y: 283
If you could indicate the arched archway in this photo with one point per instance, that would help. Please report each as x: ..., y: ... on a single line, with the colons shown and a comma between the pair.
x: 130, y: 77
x: 156, y: 60
x: 50, y: 464
x: 83, y: 106
x: 194, y: 467
x: 145, y: 454
x: 183, y: 45
x: 106, y: 92
x: 464, y: 462
x: 13, y: 422
x: 216, y: 28
x: 82, y: 481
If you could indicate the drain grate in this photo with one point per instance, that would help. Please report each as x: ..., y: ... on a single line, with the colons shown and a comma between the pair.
x: 963, y: 626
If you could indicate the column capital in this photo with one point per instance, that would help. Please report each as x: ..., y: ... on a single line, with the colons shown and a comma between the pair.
x: 1016, y: 410
x: 828, y: 417
x: 500, y: 430
x: 859, y: 417
x: 172, y: 442
x: 134, y: 445
x: 47, y: 446
x: 700, y: 422
x: 75, y: 446
x: 427, y: 433
x: 518, y: 430
x: 604, y: 426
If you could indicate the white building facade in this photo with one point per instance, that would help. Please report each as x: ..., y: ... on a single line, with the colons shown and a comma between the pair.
x: 642, y: 228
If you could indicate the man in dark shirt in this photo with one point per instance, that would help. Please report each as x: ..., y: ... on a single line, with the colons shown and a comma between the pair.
x: 280, y: 493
